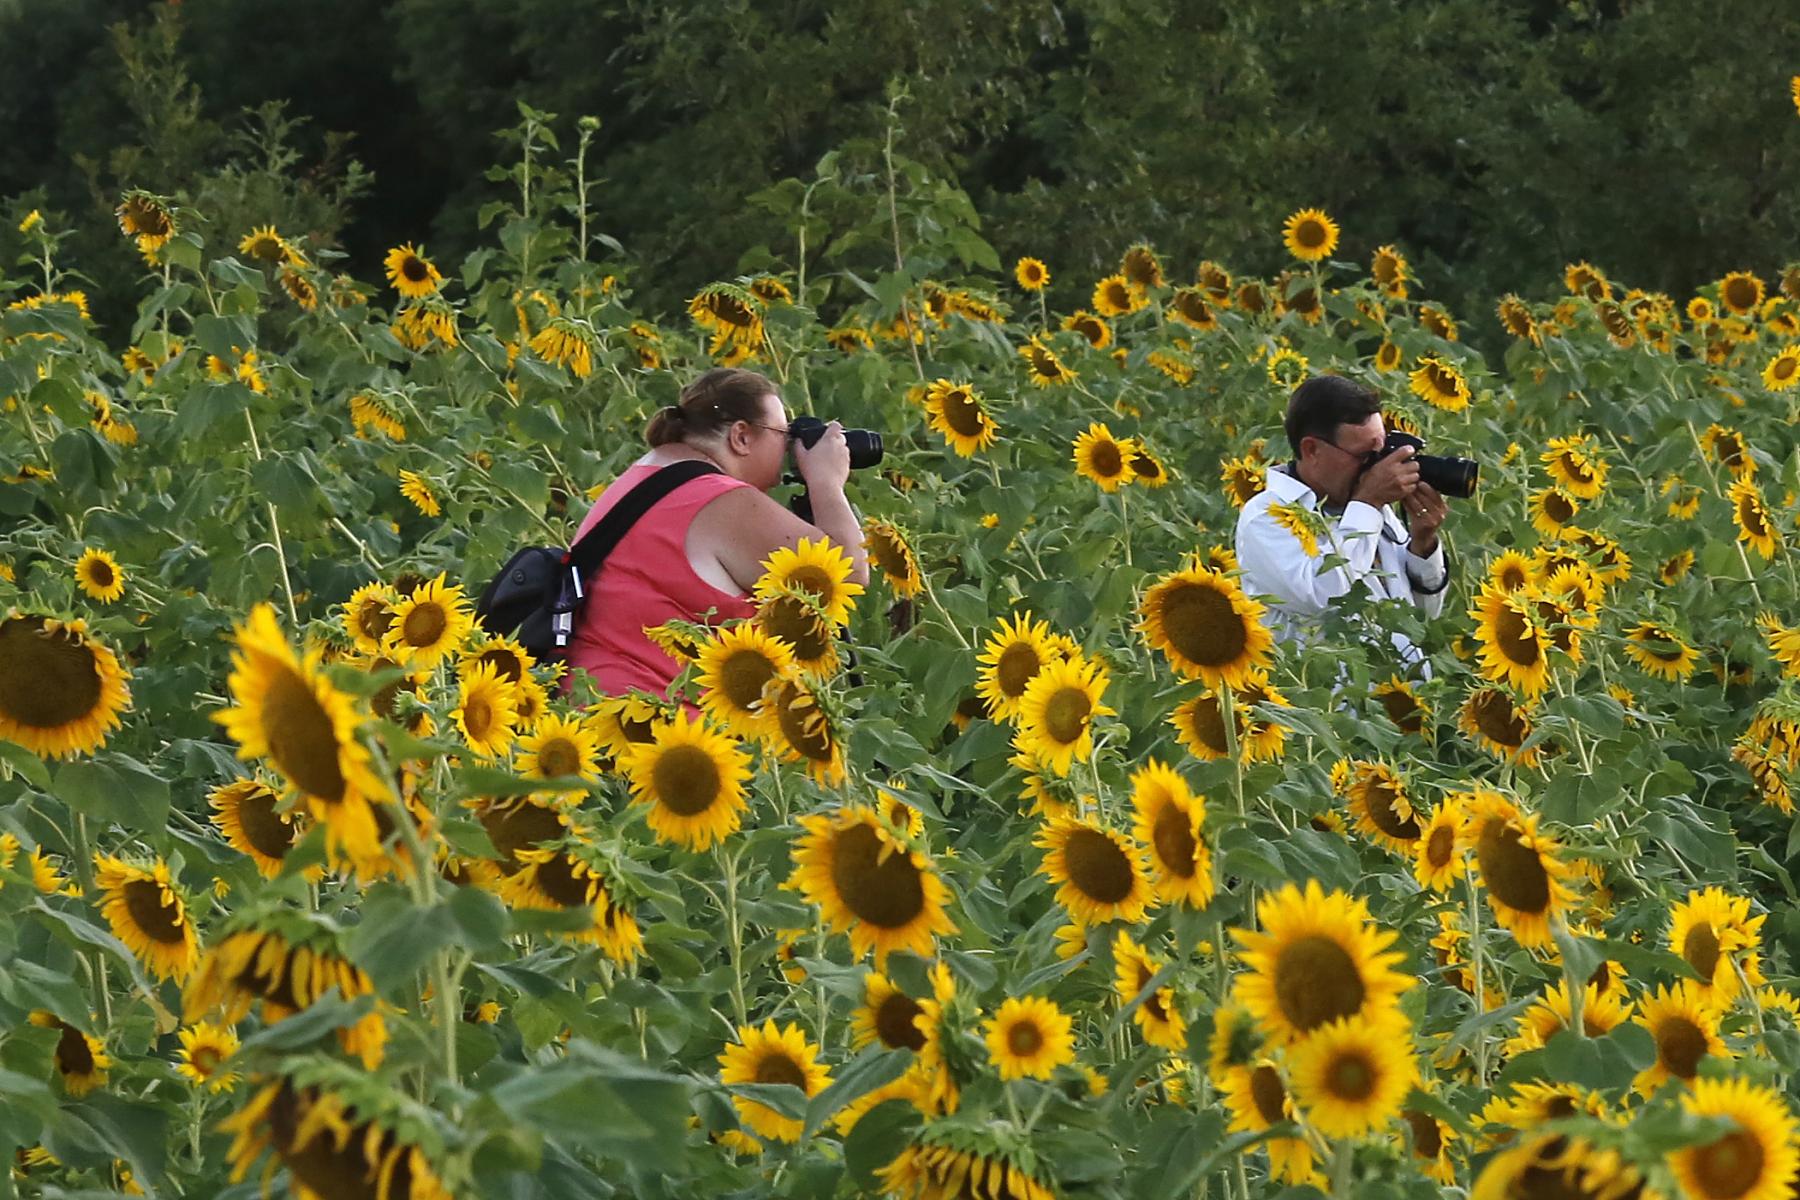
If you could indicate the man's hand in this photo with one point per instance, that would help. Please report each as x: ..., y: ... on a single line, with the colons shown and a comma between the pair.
x: 1393, y: 478
x: 1425, y: 511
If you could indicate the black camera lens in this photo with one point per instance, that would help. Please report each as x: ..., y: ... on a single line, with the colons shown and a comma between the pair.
x: 1454, y: 477
x: 865, y: 444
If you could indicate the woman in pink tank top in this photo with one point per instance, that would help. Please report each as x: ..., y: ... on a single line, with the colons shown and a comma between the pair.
x: 699, y: 550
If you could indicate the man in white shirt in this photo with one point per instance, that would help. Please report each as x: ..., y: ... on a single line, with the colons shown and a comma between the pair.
x: 1334, y: 426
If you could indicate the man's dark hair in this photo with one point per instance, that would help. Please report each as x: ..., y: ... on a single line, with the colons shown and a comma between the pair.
x: 1324, y: 402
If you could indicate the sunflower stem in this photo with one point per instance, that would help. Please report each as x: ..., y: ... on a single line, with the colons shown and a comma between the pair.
x: 1341, y: 1162
x: 932, y: 596
x: 287, y: 583
x: 1475, y: 957
x: 84, y: 873
x: 728, y: 864
x: 887, y: 158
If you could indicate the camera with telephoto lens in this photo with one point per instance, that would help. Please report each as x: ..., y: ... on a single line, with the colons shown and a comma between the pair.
x: 865, y: 444
x: 865, y: 451
x: 1451, y: 476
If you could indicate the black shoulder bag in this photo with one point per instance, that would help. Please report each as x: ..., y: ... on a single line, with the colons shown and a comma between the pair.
x: 540, y: 589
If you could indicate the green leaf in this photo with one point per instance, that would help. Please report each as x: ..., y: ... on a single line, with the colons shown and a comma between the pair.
x: 871, y: 1069
x: 324, y: 1016
x: 396, y: 937
x: 479, y: 917
x: 784, y: 1098
x: 27, y: 765
x: 118, y: 791
x: 878, y: 1137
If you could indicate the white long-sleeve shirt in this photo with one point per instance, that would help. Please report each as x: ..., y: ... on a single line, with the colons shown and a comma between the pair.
x: 1371, y: 541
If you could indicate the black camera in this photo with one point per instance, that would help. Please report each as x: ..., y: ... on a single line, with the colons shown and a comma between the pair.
x: 1451, y: 476
x: 865, y: 444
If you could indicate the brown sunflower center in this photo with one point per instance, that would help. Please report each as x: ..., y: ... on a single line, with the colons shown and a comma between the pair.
x: 1384, y: 799
x: 1498, y: 720
x: 1517, y: 638
x: 891, y: 555
x: 742, y: 677
x: 1173, y: 836
x: 413, y: 268
x: 1201, y: 624
x: 1680, y: 1044
x: 777, y: 1067
x: 1785, y: 367
x: 1351, y: 1076
x: 1316, y: 981
x: 519, y: 827
x: 1019, y: 664
x: 373, y: 619
x: 814, y: 579
x: 1310, y: 234
x: 807, y: 730
x: 46, y: 679
x: 1427, y: 1138
x: 1729, y: 1167
x: 962, y: 412
x: 1750, y: 516
x: 1105, y: 459
x: 687, y: 780
x: 205, y: 1059
x: 1558, y: 508
x: 505, y: 663
x: 100, y: 573
x: 1270, y: 1096
x: 1066, y: 715
x: 563, y: 884
x: 1440, y: 846
x: 1207, y: 724
x: 789, y: 618
x: 1097, y: 867
x: 1513, y: 872
x: 875, y: 880
x: 301, y: 737
x: 558, y: 756
x: 894, y: 1022
x: 477, y: 716
x: 424, y: 624
x: 1024, y: 1038
x: 1701, y: 949
x: 1403, y: 709
x: 267, y: 831
x: 73, y: 1056
x: 1739, y: 294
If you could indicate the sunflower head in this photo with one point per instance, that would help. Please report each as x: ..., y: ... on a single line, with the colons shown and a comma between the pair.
x: 1206, y: 626
x: 869, y: 885
x: 61, y: 691
x: 1310, y: 235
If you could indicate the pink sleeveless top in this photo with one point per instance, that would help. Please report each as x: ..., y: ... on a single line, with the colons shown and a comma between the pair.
x: 645, y: 581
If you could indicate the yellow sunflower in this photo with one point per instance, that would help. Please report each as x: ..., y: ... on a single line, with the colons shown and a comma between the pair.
x: 148, y: 915
x: 1168, y: 821
x: 97, y: 574
x: 1782, y: 372
x: 1156, y: 1014
x: 1551, y: 1014
x: 942, y: 1172
x: 1440, y: 384
x: 1352, y: 1076
x: 1099, y: 875
x: 288, y: 713
x: 887, y: 1016
x: 560, y: 746
x: 1390, y: 271
x: 1101, y: 457
x: 1243, y: 479
x: 1715, y: 934
x: 891, y: 553
x: 1561, y: 1167
x: 1741, y: 292
x: 1387, y: 358
x: 327, y: 1147
x: 552, y: 880
x: 1437, y: 322
x: 1404, y: 708
x: 692, y: 777
x: 1116, y: 296
x: 1097, y: 332
x: 1310, y: 235
x: 417, y: 488
x: 205, y: 1049
x: 815, y: 566
x: 61, y: 691
x: 1515, y: 317
x: 772, y: 1055
x: 1146, y: 468
x: 429, y: 625
x: 1784, y: 643
x: 82, y: 1062
x: 1057, y: 712
x: 252, y: 965
x: 1256, y: 1097
x: 1574, y: 462
x: 1315, y: 958
x: 248, y: 812
x: 1381, y: 809
x: 1029, y: 1037
x: 802, y: 732
x: 1756, y: 1160
x: 1729, y: 449
x: 1442, y: 850
x: 368, y: 615
x: 1430, y: 1140
x: 1042, y: 366
x: 1032, y: 274
x: 487, y: 714
x: 1011, y: 658
x: 1513, y: 644
x: 1684, y: 1022
x: 1287, y: 368
x: 735, y: 668
x: 1756, y: 526
x: 410, y: 273
x: 958, y: 413
x: 1660, y: 651
x: 1521, y: 869
x: 1206, y: 626
x: 147, y: 218
x: 1550, y: 510
x: 868, y: 885
x: 1302, y: 523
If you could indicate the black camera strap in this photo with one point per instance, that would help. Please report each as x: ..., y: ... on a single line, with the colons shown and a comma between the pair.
x: 587, y: 554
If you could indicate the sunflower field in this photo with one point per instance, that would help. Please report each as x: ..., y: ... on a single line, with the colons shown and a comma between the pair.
x: 1035, y: 869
